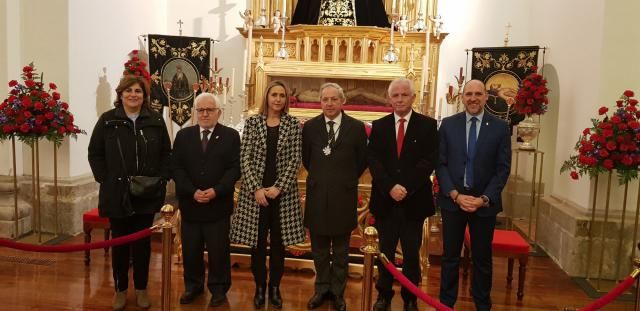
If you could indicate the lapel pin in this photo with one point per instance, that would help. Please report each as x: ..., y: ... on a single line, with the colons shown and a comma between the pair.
x: 217, y: 136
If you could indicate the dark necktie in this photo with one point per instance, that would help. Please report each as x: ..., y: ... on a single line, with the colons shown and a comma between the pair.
x: 332, y: 133
x: 400, y: 138
x: 471, y: 151
x: 205, y: 140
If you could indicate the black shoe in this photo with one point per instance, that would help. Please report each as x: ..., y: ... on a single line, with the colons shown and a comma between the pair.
x: 189, y: 296
x: 382, y: 304
x: 411, y: 305
x: 316, y: 300
x: 339, y: 304
x: 259, y: 297
x: 217, y: 300
x: 274, y: 297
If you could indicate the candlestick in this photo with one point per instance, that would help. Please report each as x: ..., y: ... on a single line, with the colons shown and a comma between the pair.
x: 284, y: 9
x: 215, y: 61
x: 233, y: 81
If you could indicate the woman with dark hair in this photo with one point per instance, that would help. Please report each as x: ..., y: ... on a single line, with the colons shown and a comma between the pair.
x: 129, y: 140
x: 269, y: 203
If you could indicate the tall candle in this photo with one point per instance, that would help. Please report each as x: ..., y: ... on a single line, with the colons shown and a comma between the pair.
x: 224, y: 99
x: 215, y: 62
x: 233, y: 81
x: 393, y: 7
x: 284, y: 9
x: 440, y: 108
x: 460, y: 73
x: 226, y: 82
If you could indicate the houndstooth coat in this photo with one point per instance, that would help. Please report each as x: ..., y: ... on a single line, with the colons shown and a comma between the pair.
x: 253, y: 153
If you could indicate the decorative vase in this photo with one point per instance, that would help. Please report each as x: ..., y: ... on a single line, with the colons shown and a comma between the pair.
x: 528, y: 130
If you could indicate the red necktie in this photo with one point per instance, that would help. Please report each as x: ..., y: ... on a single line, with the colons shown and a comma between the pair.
x: 400, y: 138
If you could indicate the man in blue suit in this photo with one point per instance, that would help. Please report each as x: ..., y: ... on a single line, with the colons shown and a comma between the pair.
x: 475, y: 161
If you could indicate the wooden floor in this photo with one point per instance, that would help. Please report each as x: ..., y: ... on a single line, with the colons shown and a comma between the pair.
x: 37, y: 281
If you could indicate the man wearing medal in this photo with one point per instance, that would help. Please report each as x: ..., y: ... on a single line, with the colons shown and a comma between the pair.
x: 334, y: 154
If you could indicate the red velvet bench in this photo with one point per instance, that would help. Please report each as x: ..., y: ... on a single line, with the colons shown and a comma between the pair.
x: 509, y: 244
x: 90, y: 220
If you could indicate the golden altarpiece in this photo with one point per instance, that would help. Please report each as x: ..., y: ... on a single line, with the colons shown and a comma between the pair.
x: 352, y: 56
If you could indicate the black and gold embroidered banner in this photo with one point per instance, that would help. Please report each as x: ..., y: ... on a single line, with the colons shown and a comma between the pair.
x: 176, y: 63
x: 337, y: 13
x: 502, y: 70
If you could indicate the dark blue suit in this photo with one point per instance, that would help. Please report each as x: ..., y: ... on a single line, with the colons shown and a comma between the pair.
x: 492, y: 164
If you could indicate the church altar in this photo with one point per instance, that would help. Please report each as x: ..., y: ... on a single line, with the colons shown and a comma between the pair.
x: 352, y: 55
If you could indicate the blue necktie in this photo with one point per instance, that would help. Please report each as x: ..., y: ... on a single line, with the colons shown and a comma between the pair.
x: 471, y: 151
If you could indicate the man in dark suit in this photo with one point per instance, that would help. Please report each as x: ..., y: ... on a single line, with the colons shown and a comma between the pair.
x: 334, y: 154
x: 205, y: 167
x: 475, y: 161
x: 403, y: 150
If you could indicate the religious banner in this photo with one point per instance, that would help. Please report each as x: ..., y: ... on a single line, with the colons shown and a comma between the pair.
x: 502, y: 70
x: 176, y: 63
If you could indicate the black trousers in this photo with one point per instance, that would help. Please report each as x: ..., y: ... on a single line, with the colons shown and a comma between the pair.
x: 268, y: 225
x: 139, y: 251
x: 398, y: 226
x: 215, y: 236
x: 331, y: 260
x: 481, y: 231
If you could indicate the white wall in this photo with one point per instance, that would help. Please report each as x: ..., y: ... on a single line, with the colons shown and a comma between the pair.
x: 9, y: 69
x: 574, y: 32
x: 476, y: 23
x: 101, y: 34
x: 5, y: 147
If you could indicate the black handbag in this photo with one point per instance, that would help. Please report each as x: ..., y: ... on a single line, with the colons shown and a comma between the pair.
x: 146, y: 187
x: 143, y: 187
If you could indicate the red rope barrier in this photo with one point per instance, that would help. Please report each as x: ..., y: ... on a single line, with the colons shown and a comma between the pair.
x: 610, y: 296
x: 76, y: 247
x: 413, y: 288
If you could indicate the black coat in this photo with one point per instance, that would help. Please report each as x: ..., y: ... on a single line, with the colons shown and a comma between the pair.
x: 332, y: 182
x: 412, y: 170
x: 146, y: 148
x: 217, y: 168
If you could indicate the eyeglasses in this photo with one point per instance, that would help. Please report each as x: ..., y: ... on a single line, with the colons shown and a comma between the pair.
x: 207, y: 110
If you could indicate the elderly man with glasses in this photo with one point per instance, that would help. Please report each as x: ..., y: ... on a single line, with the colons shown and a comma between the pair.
x: 205, y: 167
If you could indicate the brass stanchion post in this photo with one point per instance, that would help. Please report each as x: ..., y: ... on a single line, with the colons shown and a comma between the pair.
x: 167, y: 228
x: 370, y: 250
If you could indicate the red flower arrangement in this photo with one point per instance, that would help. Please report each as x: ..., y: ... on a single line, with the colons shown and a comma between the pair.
x: 611, y: 143
x: 532, y: 96
x: 135, y: 66
x: 31, y: 112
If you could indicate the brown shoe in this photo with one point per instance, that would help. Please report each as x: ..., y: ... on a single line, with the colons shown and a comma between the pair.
x: 119, y: 300
x: 142, y: 299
